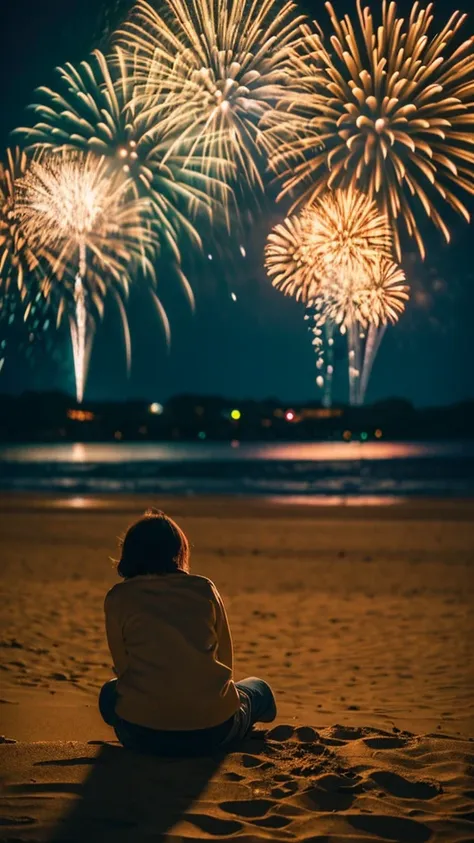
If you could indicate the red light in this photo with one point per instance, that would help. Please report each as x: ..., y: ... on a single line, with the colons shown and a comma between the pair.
x: 289, y: 415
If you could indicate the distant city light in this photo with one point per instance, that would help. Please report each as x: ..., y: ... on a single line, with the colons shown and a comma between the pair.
x: 347, y: 435
x: 118, y: 435
x: 209, y: 257
x: 156, y: 408
x: 243, y: 252
x: 364, y: 436
x: 202, y: 434
x: 236, y: 415
x: 378, y: 433
x: 80, y: 415
x: 235, y: 443
x: 289, y: 415
x: 320, y: 381
x: 330, y: 341
x: 233, y: 297
x: 330, y: 370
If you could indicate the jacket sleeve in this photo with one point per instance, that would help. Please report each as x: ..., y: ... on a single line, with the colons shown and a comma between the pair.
x: 113, y: 628
x: 224, y: 652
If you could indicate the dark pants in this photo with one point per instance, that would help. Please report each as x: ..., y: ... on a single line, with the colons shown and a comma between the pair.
x: 257, y: 704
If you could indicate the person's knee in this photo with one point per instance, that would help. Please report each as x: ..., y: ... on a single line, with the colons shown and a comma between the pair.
x: 261, y: 685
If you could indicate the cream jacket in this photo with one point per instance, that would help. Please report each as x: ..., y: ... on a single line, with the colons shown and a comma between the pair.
x: 172, y: 650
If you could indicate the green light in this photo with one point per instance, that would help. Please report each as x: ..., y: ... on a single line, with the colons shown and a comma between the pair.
x: 201, y: 434
x: 236, y: 415
x: 364, y: 436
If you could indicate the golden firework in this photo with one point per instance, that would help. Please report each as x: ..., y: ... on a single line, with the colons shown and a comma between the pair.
x: 383, y: 293
x: 367, y: 294
x: 388, y: 108
x: 224, y: 64
x: 72, y: 209
x: 69, y: 203
x: 95, y: 108
x: 335, y: 233
x: 18, y: 260
x: 289, y: 259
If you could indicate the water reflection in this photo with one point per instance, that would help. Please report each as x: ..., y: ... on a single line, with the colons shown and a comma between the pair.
x: 97, y: 453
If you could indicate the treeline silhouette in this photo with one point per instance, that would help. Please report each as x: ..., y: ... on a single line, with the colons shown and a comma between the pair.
x: 56, y: 417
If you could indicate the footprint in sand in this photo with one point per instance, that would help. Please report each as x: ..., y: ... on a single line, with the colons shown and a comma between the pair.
x: 214, y: 825
x: 251, y: 808
x: 404, y: 788
x: 281, y: 733
x: 233, y: 777
x: 391, y: 828
x: 385, y: 742
x: 252, y: 761
x: 273, y: 821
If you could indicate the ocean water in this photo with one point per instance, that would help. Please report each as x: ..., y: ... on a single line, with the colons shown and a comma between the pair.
x: 379, y: 471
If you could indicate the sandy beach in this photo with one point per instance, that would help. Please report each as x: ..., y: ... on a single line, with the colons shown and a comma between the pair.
x: 362, y: 618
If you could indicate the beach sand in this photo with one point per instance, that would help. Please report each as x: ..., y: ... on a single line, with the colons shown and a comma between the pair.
x: 362, y: 618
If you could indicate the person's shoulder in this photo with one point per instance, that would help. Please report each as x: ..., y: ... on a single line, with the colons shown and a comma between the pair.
x: 202, y: 584
x: 113, y: 595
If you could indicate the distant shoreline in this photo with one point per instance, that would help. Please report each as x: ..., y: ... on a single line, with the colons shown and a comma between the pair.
x: 235, y: 507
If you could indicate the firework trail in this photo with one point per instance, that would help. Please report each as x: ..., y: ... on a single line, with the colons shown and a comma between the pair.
x: 335, y: 256
x: 388, y: 108
x: 84, y: 220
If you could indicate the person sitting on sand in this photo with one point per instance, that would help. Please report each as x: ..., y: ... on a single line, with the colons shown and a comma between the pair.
x: 171, y: 646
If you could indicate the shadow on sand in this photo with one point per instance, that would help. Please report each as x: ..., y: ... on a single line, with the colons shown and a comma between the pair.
x: 131, y: 797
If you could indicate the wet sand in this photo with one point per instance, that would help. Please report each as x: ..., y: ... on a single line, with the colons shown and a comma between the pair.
x: 362, y: 618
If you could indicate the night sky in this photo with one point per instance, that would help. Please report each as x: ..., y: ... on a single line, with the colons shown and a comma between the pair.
x: 256, y: 346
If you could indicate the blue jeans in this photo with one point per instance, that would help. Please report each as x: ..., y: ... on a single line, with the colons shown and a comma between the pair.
x: 257, y: 704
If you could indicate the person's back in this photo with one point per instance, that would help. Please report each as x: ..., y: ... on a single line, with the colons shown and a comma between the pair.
x: 171, y: 646
x: 172, y: 650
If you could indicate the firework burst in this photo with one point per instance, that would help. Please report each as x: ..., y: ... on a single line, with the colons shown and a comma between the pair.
x: 382, y: 293
x: 96, y: 109
x: 289, y: 257
x: 328, y: 238
x: 73, y: 210
x: 369, y: 294
x: 225, y: 64
x: 18, y: 260
x: 388, y: 108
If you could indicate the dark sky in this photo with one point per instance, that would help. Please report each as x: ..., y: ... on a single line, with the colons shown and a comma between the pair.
x: 257, y: 346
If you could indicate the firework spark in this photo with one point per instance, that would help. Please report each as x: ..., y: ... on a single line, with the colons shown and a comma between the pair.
x: 289, y: 257
x: 225, y: 64
x: 370, y: 294
x: 95, y: 108
x: 17, y: 259
x: 388, y: 108
x: 341, y: 230
x: 25, y: 313
x: 71, y: 207
x: 383, y: 293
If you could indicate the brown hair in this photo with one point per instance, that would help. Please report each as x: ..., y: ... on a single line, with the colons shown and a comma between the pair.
x: 153, y: 545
